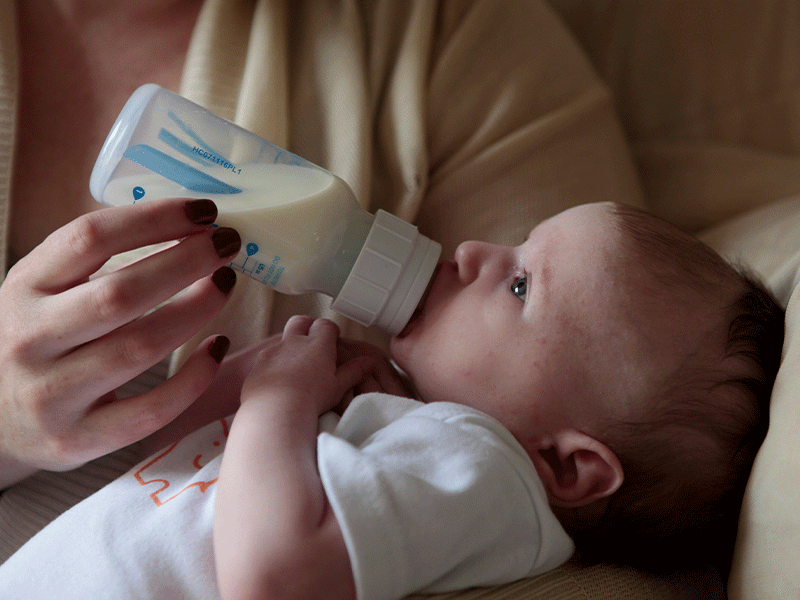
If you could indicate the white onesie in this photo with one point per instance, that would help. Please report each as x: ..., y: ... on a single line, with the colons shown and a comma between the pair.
x: 429, y: 497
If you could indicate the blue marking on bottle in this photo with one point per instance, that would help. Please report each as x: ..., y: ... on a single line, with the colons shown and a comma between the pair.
x: 289, y: 158
x: 138, y: 193
x: 182, y: 147
x: 190, y: 132
x: 177, y: 171
x: 250, y: 250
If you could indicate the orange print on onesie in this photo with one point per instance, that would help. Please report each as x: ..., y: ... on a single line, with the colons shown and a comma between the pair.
x: 176, y: 468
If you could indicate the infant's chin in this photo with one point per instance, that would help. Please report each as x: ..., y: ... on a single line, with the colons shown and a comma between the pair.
x: 411, y: 323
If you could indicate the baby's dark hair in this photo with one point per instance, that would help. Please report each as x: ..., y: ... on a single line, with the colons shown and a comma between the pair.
x: 686, y: 463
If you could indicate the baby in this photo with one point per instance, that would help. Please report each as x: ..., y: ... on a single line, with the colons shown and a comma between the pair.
x: 631, y: 364
x: 604, y: 384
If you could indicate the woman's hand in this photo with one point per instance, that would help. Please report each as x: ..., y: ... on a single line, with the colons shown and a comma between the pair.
x: 220, y: 400
x: 70, y: 335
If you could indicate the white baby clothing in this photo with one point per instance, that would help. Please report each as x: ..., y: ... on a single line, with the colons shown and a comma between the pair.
x: 429, y: 498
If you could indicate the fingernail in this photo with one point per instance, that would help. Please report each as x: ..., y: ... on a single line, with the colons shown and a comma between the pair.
x: 201, y: 212
x: 226, y: 241
x: 224, y: 278
x: 219, y: 347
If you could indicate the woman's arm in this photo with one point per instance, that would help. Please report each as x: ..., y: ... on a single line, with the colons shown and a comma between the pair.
x: 275, y: 535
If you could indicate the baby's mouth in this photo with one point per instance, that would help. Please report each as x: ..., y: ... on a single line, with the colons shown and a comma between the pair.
x: 421, y: 306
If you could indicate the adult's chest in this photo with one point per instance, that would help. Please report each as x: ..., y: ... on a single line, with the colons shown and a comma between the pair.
x: 72, y: 84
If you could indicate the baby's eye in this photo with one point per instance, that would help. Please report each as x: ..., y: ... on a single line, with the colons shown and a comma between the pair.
x: 520, y: 287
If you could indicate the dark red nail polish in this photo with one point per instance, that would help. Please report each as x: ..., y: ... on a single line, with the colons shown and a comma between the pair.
x: 219, y: 347
x: 226, y: 241
x: 201, y: 212
x: 224, y: 278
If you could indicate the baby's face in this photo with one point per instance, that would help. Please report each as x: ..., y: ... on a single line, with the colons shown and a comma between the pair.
x: 537, y: 335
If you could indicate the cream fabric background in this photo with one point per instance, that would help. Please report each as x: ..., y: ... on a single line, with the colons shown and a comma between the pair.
x: 708, y: 93
x: 768, y: 545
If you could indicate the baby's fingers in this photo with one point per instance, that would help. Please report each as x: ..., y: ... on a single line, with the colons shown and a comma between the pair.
x: 384, y: 377
x: 352, y: 373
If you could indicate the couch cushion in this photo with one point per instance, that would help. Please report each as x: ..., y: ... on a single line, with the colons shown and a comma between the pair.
x: 767, y: 551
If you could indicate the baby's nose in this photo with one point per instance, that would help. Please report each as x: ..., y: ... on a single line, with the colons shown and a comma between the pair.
x: 469, y: 257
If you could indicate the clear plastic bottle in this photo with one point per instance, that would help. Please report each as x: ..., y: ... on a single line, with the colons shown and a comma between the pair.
x: 301, y: 226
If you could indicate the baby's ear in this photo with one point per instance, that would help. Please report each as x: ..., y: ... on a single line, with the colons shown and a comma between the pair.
x: 576, y: 469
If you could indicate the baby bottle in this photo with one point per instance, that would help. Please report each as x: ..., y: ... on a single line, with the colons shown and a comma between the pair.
x: 302, y: 229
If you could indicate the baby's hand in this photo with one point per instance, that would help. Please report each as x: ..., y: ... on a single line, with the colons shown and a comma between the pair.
x: 384, y: 378
x: 301, y: 365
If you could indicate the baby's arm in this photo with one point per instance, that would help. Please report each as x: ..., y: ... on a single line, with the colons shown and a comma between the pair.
x: 275, y: 535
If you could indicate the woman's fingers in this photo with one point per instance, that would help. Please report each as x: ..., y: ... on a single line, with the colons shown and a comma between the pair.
x: 125, y: 352
x: 71, y: 338
x: 101, y: 305
x: 75, y: 251
x: 125, y: 421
